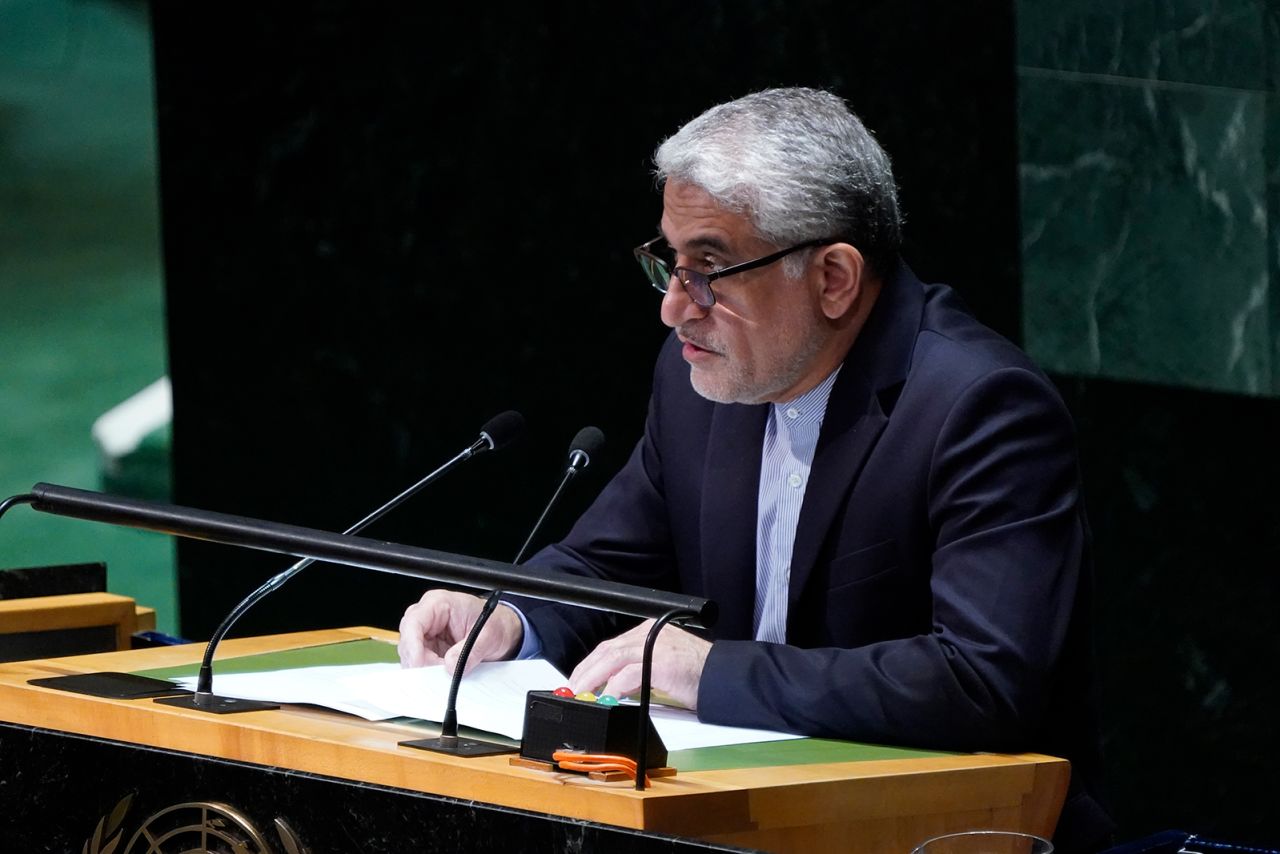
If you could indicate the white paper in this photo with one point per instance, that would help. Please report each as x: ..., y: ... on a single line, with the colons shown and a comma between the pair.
x: 320, y: 686
x: 491, y: 698
x: 681, y: 730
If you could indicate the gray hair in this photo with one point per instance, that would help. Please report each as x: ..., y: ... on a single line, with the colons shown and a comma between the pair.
x: 799, y: 165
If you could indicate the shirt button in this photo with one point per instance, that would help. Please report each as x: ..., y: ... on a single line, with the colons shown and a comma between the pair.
x: 793, y: 413
x: 794, y: 480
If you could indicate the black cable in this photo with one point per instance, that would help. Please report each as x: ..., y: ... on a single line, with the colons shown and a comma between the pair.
x: 14, y: 500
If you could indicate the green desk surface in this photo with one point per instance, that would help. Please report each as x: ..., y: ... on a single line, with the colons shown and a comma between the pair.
x: 802, y: 751
x: 366, y: 651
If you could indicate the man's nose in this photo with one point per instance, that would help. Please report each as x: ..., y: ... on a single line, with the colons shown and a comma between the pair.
x: 677, y: 307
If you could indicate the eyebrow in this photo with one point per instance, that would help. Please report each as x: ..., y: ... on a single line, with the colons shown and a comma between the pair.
x: 711, y: 242
x: 715, y: 244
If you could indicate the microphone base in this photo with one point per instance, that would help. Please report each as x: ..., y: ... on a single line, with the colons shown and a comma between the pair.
x: 459, y: 746
x: 213, y: 704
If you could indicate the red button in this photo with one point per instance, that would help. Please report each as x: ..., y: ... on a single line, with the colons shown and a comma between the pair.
x: 563, y: 692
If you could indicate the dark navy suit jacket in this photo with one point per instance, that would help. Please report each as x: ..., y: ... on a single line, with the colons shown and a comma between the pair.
x: 940, y: 579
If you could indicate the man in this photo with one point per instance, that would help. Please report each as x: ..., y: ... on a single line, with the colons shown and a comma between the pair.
x: 880, y: 493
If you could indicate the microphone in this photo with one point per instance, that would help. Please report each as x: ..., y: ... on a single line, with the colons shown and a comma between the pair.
x: 587, y: 442
x: 498, y: 432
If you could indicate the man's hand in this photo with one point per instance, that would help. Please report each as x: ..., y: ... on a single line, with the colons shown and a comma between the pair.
x: 434, y: 627
x: 678, y: 659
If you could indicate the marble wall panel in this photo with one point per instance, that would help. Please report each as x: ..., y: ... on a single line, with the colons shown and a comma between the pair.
x: 1145, y: 231
x: 1271, y: 148
x: 1147, y: 161
x: 1222, y: 42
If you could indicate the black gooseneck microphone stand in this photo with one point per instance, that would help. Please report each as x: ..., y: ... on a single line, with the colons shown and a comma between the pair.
x: 588, y: 441
x: 497, y: 432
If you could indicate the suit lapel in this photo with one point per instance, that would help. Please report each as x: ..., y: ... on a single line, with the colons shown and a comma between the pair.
x: 843, y: 448
x: 731, y: 484
x: 857, y: 412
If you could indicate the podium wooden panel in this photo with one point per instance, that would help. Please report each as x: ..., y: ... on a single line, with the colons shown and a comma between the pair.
x: 69, y: 623
x: 869, y: 806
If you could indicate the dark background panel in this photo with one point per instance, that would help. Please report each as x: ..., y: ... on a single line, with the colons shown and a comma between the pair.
x: 1181, y: 496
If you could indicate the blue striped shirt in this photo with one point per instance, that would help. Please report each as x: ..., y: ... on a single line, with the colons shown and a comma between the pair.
x: 790, y: 440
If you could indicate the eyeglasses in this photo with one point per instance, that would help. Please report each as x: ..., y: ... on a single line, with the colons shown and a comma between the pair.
x: 697, y: 284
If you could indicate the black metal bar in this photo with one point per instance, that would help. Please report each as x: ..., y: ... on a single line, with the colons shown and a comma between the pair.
x: 416, y: 562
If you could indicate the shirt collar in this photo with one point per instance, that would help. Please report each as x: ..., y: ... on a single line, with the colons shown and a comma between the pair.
x: 810, y: 406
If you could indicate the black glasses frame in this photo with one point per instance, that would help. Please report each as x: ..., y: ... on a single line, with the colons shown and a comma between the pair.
x: 698, y: 284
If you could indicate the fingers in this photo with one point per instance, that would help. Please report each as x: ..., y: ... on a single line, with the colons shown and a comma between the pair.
x: 433, y: 624
x: 609, y: 658
x: 678, y: 661
x: 451, y: 655
x: 498, y: 640
x: 434, y: 628
x: 413, y: 628
x: 626, y: 682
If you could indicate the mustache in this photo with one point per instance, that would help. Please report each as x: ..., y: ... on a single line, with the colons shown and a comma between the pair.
x: 697, y: 338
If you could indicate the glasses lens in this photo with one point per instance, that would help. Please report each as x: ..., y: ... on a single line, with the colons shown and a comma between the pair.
x: 656, y: 259
x: 653, y: 267
x: 697, y: 286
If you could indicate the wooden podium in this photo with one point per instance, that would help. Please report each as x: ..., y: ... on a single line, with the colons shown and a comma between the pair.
x: 77, y: 772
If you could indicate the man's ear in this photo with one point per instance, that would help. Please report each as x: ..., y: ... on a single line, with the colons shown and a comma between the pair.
x: 840, y: 271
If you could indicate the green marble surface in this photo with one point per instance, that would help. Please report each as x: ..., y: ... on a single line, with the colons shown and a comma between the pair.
x: 1149, y: 160
x: 1221, y: 43
x: 1271, y: 147
x: 1145, y: 233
